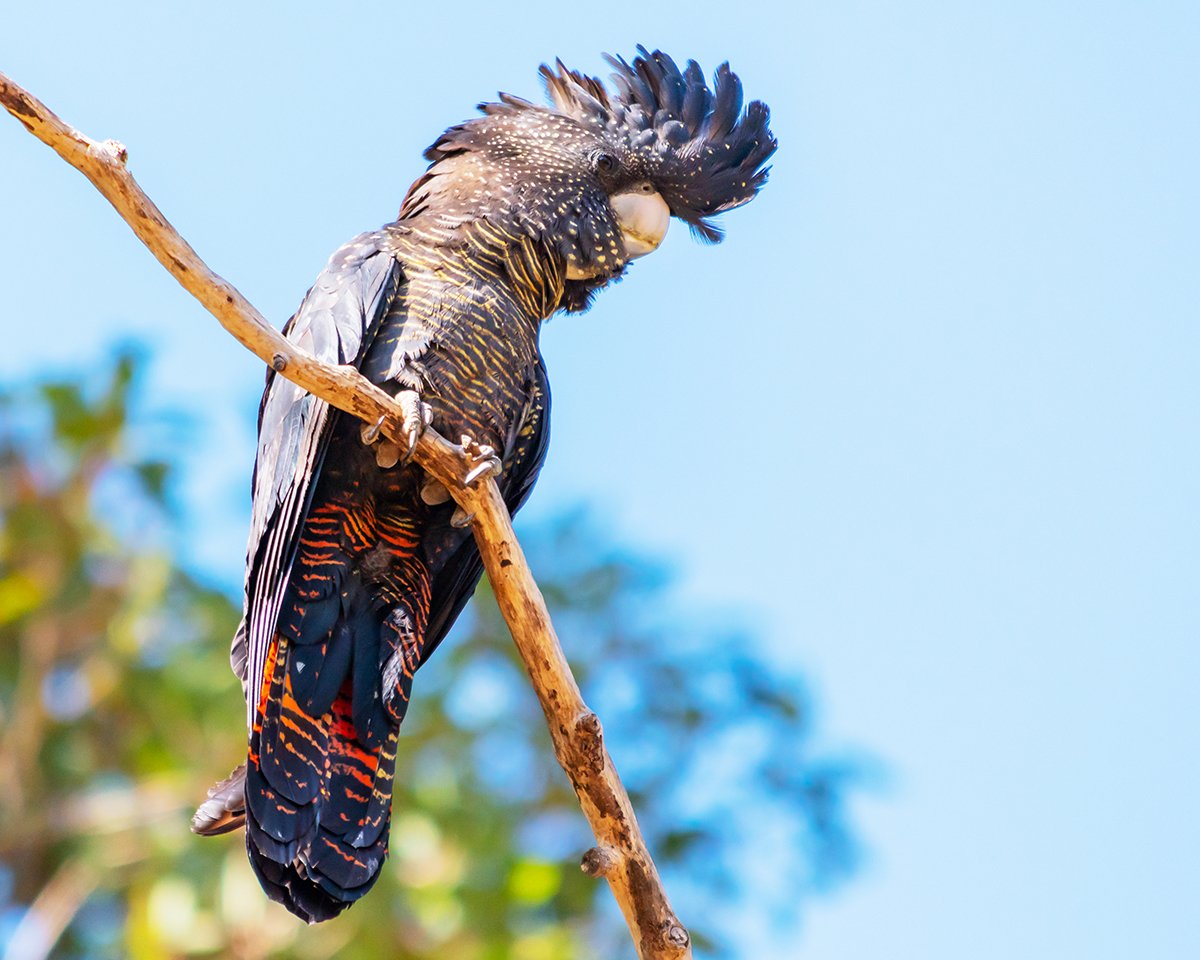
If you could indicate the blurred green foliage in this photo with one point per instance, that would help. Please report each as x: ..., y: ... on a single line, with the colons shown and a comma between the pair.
x: 118, y: 709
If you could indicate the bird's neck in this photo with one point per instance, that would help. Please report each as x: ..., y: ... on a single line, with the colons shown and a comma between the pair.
x: 490, y: 252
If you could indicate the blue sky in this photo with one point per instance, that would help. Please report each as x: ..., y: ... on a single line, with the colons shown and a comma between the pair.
x: 928, y: 418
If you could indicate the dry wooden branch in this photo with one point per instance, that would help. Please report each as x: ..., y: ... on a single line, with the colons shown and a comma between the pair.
x: 620, y: 855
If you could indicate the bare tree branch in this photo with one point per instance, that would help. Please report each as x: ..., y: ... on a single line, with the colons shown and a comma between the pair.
x: 620, y: 855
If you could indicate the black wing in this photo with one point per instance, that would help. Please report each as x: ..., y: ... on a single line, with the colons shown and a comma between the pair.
x: 336, y: 323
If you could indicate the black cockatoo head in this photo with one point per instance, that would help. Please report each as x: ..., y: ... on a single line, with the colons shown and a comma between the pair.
x: 701, y: 152
x: 597, y: 175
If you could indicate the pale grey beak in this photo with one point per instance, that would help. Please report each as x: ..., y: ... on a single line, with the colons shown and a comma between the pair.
x: 643, y: 218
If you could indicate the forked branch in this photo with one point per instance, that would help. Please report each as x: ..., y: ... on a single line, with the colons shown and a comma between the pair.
x: 620, y: 854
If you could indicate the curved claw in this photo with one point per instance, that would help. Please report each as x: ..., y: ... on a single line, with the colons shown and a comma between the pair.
x: 370, y: 431
x: 484, y: 457
x: 491, y: 466
x: 417, y: 416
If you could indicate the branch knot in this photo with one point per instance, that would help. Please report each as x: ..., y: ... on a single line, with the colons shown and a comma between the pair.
x: 589, y: 737
x: 677, y: 937
x: 599, y: 861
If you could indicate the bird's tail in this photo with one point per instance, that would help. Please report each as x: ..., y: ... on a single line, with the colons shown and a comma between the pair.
x: 315, y: 793
x: 318, y: 786
x: 334, y: 687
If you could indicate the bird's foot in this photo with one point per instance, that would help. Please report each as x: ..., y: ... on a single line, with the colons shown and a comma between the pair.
x: 484, y: 463
x: 483, y: 456
x: 417, y: 416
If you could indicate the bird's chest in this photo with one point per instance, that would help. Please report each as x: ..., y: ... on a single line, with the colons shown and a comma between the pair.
x: 465, y: 344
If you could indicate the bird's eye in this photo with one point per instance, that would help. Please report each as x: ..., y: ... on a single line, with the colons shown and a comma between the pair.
x: 606, y: 163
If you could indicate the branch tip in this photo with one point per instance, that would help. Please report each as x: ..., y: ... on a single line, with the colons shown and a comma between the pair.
x: 599, y: 862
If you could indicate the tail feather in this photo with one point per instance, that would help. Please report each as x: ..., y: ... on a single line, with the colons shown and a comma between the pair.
x: 318, y: 786
x: 284, y: 884
x: 335, y: 858
x: 369, y: 721
x: 351, y: 778
x: 317, y: 675
x: 276, y: 824
x: 376, y: 817
x: 400, y: 655
x: 315, y: 622
x: 341, y: 870
x: 334, y: 688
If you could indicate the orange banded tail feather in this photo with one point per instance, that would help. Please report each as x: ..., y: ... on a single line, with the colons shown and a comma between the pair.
x: 340, y: 855
x: 323, y: 745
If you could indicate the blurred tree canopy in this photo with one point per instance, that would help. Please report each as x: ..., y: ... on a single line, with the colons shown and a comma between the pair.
x: 118, y: 709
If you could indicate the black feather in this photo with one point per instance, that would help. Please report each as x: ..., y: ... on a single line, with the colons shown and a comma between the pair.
x: 345, y: 872
x: 727, y: 104
x: 696, y: 98
x: 317, y: 675
x: 274, y: 822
